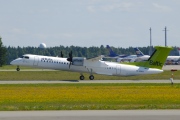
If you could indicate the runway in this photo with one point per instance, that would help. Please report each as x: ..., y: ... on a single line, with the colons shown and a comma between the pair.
x: 92, y: 115
x: 169, y: 67
x: 87, y: 81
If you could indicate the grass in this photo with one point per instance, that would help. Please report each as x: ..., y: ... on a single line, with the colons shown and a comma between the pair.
x: 40, y: 74
x: 13, y: 67
x: 85, y: 96
x: 63, y: 75
x: 89, y: 96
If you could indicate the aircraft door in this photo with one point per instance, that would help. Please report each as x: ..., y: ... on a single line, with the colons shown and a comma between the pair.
x: 36, y: 60
x: 118, y: 69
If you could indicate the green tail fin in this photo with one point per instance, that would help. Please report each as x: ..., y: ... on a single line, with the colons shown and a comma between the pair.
x: 157, y: 59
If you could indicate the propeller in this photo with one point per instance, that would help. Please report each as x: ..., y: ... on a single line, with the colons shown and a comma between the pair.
x: 70, y: 59
x: 62, y: 54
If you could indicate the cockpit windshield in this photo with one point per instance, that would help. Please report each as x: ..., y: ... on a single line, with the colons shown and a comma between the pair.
x: 26, y: 57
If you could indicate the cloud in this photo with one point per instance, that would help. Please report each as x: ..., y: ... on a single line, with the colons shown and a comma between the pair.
x: 18, y: 31
x: 161, y: 8
x: 91, y: 9
x: 111, y: 6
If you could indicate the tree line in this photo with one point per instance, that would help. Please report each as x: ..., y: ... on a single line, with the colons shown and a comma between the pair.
x: 7, y: 54
x: 88, y: 52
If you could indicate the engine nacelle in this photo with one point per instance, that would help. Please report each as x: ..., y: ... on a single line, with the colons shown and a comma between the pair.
x: 78, y: 61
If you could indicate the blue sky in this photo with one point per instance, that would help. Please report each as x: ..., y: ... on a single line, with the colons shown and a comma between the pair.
x: 85, y: 23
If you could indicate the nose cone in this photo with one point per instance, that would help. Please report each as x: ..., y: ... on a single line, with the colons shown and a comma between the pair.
x: 15, y: 62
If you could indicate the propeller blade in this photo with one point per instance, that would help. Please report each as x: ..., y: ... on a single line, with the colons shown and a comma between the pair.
x: 69, y: 65
x: 62, y: 54
x: 70, y: 54
x: 70, y: 59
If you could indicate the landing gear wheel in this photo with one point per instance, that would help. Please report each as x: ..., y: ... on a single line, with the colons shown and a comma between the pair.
x: 81, y: 77
x: 91, y: 77
x: 18, y: 69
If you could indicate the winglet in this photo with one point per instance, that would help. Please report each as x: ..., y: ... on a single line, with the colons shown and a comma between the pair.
x: 157, y: 59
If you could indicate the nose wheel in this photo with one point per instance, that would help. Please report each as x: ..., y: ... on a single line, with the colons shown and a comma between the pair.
x: 18, y: 69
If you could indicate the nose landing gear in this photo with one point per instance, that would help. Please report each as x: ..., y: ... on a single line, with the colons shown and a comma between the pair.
x: 18, y: 69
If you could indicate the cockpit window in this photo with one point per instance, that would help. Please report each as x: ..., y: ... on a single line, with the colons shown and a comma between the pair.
x: 26, y: 57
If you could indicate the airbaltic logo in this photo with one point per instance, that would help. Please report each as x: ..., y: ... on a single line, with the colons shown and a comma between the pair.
x: 156, y: 63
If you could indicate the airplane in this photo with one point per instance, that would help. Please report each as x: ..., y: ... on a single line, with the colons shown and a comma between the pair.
x: 119, y: 58
x: 95, y: 65
x: 142, y: 57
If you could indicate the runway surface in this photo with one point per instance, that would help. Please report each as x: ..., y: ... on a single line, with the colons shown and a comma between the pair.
x: 92, y: 115
x: 169, y: 67
x: 88, y: 81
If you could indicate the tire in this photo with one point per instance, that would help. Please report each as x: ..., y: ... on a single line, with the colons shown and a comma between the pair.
x: 18, y: 69
x: 81, y: 77
x: 91, y: 77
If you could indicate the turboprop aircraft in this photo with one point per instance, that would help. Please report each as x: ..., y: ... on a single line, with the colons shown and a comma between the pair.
x: 95, y: 65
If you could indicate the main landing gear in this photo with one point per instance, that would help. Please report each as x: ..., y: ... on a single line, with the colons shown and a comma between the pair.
x: 81, y: 77
x: 91, y: 77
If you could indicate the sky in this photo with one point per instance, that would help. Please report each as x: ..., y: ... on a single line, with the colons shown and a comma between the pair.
x: 86, y: 23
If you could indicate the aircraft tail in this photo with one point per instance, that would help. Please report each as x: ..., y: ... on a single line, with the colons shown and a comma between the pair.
x: 138, y: 52
x: 179, y: 51
x: 157, y: 59
x: 111, y: 52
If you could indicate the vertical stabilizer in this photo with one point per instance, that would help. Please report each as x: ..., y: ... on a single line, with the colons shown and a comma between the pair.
x: 179, y: 51
x: 138, y: 52
x: 111, y: 52
x: 157, y: 59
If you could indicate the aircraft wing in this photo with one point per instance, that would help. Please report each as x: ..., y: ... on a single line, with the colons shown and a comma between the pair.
x: 96, y: 58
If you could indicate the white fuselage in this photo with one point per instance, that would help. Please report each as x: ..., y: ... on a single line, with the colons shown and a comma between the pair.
x: 83, y: 65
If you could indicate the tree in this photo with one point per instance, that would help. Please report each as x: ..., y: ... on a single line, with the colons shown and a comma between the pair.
x: 2, y: 54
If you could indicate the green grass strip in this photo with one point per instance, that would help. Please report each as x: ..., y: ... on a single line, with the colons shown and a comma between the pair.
x: 64, y: 75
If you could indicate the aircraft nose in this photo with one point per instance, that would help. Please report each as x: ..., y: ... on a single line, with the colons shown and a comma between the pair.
x: 15, y: 62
